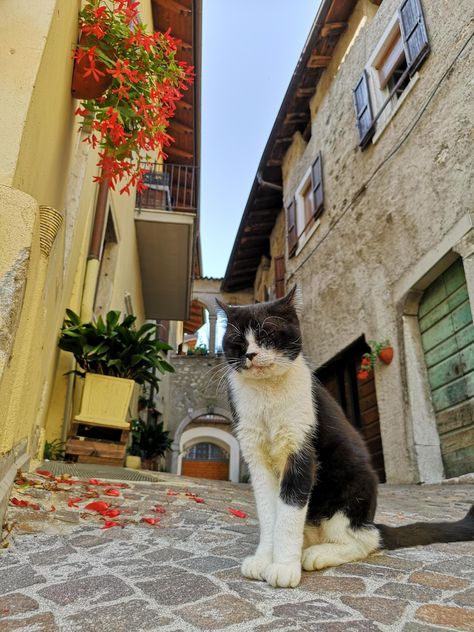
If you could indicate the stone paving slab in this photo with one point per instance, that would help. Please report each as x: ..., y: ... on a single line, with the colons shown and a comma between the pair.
x: 63, y: 571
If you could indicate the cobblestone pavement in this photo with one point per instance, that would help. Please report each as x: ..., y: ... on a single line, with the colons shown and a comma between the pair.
x: 62, y: 571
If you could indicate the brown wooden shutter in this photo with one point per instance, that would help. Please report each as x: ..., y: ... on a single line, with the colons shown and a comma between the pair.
x: 279, y: 263
x: 363, y: 110
x: 291, y: 223
x: 317, y: 186
x: 414, y: 34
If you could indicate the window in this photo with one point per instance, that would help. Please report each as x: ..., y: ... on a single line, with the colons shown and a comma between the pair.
x: 206, y: 452
x: 390, y: 70
x: 305, y: 208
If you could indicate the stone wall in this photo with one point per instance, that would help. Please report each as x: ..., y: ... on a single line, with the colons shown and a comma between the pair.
x: 393, y: 213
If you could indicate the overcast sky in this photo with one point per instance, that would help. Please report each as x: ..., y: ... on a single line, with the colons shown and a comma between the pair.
x: 250, y: 49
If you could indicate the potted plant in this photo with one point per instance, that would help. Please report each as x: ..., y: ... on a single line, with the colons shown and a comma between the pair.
x: 133, y: 459
x: 113, y: 357
x: 154, y: 442
x: 382, y: 351
x: 130, y: 120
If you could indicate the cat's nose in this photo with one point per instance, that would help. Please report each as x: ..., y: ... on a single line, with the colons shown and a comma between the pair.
x: 250, y: 356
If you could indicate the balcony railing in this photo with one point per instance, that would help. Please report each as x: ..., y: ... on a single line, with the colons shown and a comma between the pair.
x: 169, y: 188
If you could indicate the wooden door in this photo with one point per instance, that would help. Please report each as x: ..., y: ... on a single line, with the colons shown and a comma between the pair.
x: 357, y: 399
x: 447, y: 334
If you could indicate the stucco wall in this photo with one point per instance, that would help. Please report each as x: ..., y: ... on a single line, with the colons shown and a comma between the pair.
x: 386, y: 208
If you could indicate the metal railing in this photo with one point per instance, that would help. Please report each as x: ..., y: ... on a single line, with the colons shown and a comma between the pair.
x: 169, y: 188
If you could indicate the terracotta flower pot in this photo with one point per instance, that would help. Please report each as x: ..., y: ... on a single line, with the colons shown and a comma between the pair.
x: 362, y: 375
x: 88, y: 87
x: 386, y: 355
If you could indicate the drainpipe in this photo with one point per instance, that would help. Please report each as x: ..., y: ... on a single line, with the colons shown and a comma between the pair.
x: 89, y: 288
x: 93, y: 258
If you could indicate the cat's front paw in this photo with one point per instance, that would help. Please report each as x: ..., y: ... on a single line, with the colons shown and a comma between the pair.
x: 255, y: 566
x: 283, y: 575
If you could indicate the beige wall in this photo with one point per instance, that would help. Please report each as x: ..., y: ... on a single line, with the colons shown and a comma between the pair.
x: 44, y: 162
x: 387, y: 208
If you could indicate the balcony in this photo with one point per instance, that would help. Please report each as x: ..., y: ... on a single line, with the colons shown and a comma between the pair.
x: 165, y: 218
x: 170, y: 188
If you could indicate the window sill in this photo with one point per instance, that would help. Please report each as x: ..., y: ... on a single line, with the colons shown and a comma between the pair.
x: 400, y: 102
x: 304, y: 238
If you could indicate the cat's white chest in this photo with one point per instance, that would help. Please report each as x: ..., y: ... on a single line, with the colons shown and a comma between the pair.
x: 274, y: 417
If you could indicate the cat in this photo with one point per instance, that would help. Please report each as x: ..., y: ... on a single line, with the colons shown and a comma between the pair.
x: 314, y: 486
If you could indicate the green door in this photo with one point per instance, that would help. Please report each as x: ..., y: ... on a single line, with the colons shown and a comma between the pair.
x: 447, y: 333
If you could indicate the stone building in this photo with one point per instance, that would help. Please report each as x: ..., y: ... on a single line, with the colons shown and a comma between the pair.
x: 196, y: 409
x: 363, y: 197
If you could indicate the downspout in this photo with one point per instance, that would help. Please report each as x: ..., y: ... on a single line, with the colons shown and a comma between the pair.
x: 89, y: 288
x: 93, y: 258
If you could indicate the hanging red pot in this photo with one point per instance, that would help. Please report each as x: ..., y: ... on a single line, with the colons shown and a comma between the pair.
x: 362, y: 375
x: 386, y: 355
x: 85, y: 85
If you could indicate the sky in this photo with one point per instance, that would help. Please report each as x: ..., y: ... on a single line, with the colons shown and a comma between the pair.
x: 250, y: 50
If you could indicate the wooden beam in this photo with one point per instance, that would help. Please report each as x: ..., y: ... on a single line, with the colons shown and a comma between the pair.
x: 284, y: 139
x: 273, y: 162
x: 174, y: 5
x: 184, y: 105
x: 333, y: 28
x: 185, y: 45
x: 295, y: 117
x: 318, y: 61
x: 173, y: 150
x: 180, y: 127
x: 305, y: 92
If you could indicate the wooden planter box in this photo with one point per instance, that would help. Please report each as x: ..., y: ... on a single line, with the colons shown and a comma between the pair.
x: 106, y: 401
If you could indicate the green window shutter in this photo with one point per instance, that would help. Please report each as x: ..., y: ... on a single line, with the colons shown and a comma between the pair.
x: 414, y: 34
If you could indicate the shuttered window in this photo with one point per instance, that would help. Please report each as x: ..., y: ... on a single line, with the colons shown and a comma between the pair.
x: 279, y: 263
x: 363, y: 110
x: 317, y: 186
x: 291, y: 223
x: 415, y: 37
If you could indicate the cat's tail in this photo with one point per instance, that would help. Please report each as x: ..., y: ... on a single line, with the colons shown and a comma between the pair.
x: 427, y: 532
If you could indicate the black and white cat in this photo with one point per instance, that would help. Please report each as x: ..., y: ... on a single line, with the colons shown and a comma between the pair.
x: 315, y: 489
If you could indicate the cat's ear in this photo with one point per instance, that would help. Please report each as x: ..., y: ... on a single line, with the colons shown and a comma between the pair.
x: 293, y: 298
x: 223, y: 307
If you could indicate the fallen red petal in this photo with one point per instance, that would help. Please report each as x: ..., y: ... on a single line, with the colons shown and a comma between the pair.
x: 19, y: 503
x: 159, y: 509
x: 197, y: 500
x: 237, y: 513
x: 44, y: 472
x: 151, y: 520
x: 112, y: 492
x: 111, y: 513
x: 109, y: 524
x: 53, y: 508
x: 170, y: 492
x: 99, y: 506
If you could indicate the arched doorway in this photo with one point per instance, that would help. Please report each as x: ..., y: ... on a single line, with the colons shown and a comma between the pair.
x: 206, y: 460
x: 210, y: 426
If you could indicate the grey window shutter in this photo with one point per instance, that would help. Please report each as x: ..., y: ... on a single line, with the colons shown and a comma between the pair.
x: 363, y: 110
x: 317, y: 186
x: 414, y: 34
x: 292, y: 236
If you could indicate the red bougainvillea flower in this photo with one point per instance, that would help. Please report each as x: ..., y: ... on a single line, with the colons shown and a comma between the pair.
x: 237, y: 513
x: 98, y: 505
x: 130, y: 121
x: 110, y: 523
x: 151, y: 520
x: 112, y: 492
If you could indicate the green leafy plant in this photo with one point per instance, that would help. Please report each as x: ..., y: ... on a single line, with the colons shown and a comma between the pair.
x: 200, y: 350
x: 154, y: 441
x: 114, y: 347
x: 136, y: 428
x: 54, y: 450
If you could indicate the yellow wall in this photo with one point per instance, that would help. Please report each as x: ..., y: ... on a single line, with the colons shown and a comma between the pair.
x: 44, y: 162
